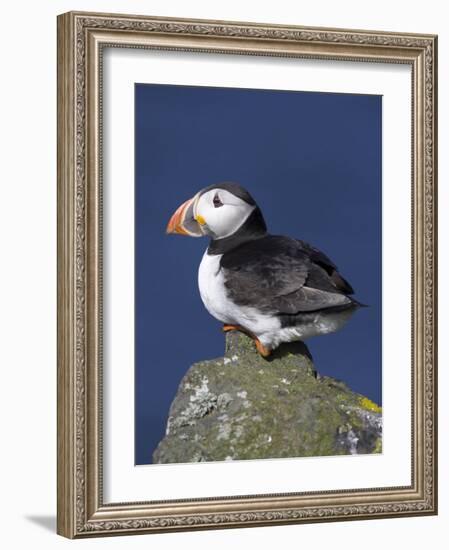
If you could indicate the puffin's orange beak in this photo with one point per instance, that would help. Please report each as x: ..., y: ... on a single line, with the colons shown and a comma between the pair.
x: 183, y: 221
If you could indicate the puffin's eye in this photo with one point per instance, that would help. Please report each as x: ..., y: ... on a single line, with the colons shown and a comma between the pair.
x: 217, y: 202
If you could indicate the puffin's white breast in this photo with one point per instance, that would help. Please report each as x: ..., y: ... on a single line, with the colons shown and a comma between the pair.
x: 213, y: 293
x: 212, y: 289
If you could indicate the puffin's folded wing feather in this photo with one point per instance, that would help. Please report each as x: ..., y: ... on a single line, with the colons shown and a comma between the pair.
x: 276, y: 274
x: 319, y: 258
x: 307, y: 299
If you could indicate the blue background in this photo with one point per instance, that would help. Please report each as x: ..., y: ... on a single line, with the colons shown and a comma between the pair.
x: 312, y: 161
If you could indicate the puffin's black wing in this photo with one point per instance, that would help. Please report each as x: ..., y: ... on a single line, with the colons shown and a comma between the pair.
x: 323, y: 261
x: 283, y: 276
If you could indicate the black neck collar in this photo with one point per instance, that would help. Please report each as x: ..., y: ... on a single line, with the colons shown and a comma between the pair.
x: 253, y: 228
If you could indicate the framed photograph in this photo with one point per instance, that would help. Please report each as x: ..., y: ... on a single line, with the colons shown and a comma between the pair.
x: 246, y: 274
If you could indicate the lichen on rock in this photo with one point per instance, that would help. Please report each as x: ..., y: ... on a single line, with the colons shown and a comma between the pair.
x: 242, y: 406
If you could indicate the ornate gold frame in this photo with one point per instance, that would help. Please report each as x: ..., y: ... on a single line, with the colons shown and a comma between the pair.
x: 81, y: 37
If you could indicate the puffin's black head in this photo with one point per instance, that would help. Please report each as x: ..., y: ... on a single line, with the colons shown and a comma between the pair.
x: 220, y: 211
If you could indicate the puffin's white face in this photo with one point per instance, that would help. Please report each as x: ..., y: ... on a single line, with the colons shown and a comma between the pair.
x: 215, y: 212
x: 220, y: 213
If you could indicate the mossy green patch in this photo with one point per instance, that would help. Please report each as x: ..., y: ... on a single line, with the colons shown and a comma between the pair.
x: 378, y: 447
x: 369, y: 405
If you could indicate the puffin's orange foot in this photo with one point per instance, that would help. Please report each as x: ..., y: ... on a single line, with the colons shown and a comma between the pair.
x: 264, y: 351
x: 228, y: 328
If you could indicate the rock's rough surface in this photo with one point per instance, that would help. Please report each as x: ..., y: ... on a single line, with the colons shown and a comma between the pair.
x: 242, y: 406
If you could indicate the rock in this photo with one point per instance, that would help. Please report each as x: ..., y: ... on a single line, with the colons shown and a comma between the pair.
x: 242, y: 406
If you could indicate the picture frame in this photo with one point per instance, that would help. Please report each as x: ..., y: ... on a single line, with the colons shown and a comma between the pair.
x: 82, y: 509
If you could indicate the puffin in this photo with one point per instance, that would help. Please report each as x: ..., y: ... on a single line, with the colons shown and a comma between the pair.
x: 274, y: 288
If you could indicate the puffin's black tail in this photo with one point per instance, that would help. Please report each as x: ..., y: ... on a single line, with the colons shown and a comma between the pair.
x: 357, y: 303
